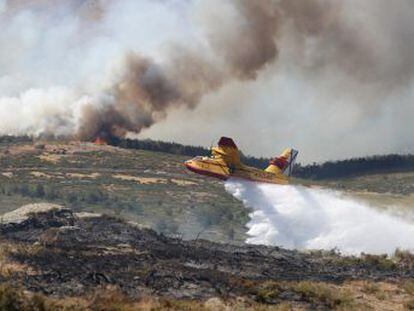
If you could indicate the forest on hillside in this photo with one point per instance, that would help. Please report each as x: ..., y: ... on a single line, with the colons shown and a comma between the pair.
x: 316, y: 171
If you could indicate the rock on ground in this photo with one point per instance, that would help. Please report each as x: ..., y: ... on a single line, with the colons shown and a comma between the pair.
x: 36, y: 216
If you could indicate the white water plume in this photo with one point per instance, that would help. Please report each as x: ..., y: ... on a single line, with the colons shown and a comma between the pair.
x: 298, y: 217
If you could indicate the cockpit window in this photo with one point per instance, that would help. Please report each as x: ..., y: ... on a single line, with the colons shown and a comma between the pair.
x: 200, y: 158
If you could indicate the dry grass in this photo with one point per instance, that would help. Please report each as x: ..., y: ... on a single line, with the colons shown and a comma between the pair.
x: 49, y: 157
x: 183, y: 182
x: 356, y: 295
x: 41, y: 175
x: 404, y: 258
x: 353, y: 295
x: 370, y: 288
x: 409, y: 305
x: 140, y: 180
x: 79, y: 175
x: 408, y: 287
x: 8, y: 174
x: 378, y: 295
x: 325, y: 294
x: 9, y: 269
x: 375, y: 289
x: 7, y: 266
x: 212, y: 304
x: 15, y: 299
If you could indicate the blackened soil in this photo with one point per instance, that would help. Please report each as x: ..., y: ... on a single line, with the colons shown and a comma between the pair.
x: 73, y: 256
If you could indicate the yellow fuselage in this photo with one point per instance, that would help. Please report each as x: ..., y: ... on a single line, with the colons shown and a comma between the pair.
x: 219, y: 169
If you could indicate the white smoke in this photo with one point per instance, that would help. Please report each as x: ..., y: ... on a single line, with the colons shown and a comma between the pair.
x: 307, y: 73
x: 3, y: 6
x: 298, y: 217
x: 58, y: 58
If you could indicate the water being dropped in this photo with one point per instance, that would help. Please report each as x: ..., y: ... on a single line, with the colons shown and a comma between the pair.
x: 298, y: 217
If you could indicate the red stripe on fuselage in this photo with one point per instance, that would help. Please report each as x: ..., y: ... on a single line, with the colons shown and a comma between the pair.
x: 206, y: 173
x: 225, y: 177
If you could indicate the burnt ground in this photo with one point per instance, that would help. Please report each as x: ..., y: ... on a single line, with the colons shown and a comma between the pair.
x: 60, y: 254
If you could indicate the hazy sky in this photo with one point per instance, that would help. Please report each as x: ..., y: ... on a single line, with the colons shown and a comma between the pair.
x: 330, y: 78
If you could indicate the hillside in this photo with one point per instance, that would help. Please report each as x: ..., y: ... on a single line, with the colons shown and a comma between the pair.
x: 77, y: 261
x: 151, y: 188
x: 377, y: 164
x: 326, y: 171
x: 73, y: 257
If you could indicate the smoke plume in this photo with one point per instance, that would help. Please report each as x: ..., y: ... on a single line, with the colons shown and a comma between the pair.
x: 145, y: 89
x: 85, y: 68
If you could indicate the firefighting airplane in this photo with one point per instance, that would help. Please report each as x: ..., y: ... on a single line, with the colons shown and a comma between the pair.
x: 225, y: 163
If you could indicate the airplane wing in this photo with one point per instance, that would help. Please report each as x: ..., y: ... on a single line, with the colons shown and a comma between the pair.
x: 228, y: 152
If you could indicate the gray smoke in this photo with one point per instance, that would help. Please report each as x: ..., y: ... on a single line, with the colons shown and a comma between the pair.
x: 146, y: 90
x: 340, y: 87
x: 307, y: 73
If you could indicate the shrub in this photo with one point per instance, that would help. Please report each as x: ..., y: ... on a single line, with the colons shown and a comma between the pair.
x: 381, y: 261
x: 404, y: 258
x: 12, y: 299
x: 37, y: 191
x: 318, y: 293
x: 50, y: 192
x: 408, y: 286
x: 268, y: 293
x: 370, y: 288
x: 409, y: 305
x: 71, y: 197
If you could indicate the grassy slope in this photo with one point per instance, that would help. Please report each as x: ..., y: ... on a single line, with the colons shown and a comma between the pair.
x: 153, y: 189
x: 391, y: 183
x: 162, y: 194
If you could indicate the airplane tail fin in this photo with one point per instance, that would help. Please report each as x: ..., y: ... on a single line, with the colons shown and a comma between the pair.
x: 283, y: 164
